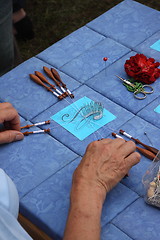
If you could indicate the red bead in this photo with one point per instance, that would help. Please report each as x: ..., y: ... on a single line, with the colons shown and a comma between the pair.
x: 105, y: 59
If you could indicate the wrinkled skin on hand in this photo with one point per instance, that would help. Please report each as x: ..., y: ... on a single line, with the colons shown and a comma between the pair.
x: 105, y: 163
x: 9, y: 118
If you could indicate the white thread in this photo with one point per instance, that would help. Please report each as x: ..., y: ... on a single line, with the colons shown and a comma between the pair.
x: 59, y: 91
x: 56, y: 94
x: 38, y: 131
x: 69, y: 91
x: 127, y: 135
x: 40, y: 123
x: 117, y: 136
x: 63, y: 89
x: 97, y: 132
x: 75, y: 107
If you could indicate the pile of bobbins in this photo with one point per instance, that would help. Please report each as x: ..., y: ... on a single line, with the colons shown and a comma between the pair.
x: 40, y: 79
x: 147, y: 151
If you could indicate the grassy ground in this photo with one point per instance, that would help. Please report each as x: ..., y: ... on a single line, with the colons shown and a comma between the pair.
x: 54, y: 19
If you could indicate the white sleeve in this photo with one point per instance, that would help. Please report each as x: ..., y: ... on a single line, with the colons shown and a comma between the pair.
x: 9, y: 198
x: 10, y: 229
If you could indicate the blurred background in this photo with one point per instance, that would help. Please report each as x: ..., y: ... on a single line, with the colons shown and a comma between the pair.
x: 54, y: 19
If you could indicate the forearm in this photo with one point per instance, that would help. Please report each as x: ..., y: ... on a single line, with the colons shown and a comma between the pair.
x: 84, y: 214
x: 104, y: 164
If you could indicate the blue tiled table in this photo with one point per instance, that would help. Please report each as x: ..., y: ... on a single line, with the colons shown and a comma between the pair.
x: 42, y: 165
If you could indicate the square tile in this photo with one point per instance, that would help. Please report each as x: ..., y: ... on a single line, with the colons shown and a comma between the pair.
x: 82, y: 123
x: 116, y: 201
x: 149, y: 114
x: 26, y: 96
x: 71, y: 141
x: 129, y: 23
x: 156, y: 45
x: 139, y: 221
x: 48, y: 204
x: 32, y: 160
x: 157, y: 109
x: 148, y: 47
x: 70, y: 47
x: 112, y: 87
x: 91, y: 61
x: 110, y: 232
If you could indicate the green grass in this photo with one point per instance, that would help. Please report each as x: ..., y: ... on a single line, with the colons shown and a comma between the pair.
x: 54, y: 19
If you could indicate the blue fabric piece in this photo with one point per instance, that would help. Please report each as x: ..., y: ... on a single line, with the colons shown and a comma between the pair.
x: 26, y: 96
x: 70, y: 47
x: 129, y: 23
x: 139, y: 221
x: 156, y: 46
x: 112, y: 87
x: 70, y: 140
x: 42, y: 165
x: 110, y: 232
x: 32, y: 160
x: 157, y: 109
x: 91, y: 61
x: 147, y: 49
x: 50, y: 202
x: 149, y: 114
x: 80, y: 127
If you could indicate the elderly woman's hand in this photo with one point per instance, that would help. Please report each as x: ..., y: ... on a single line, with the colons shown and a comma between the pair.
x: 9, y: 118
x: 105, y: 163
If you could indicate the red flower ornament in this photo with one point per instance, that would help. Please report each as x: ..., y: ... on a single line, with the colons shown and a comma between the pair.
x: 142, y: 69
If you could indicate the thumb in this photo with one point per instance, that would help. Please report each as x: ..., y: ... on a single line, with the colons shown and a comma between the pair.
x: 10, y: 136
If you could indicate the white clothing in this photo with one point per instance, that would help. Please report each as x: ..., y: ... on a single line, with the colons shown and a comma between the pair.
x: 10, y: 229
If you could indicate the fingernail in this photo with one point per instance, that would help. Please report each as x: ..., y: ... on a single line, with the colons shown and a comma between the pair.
x: 19, y: 137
